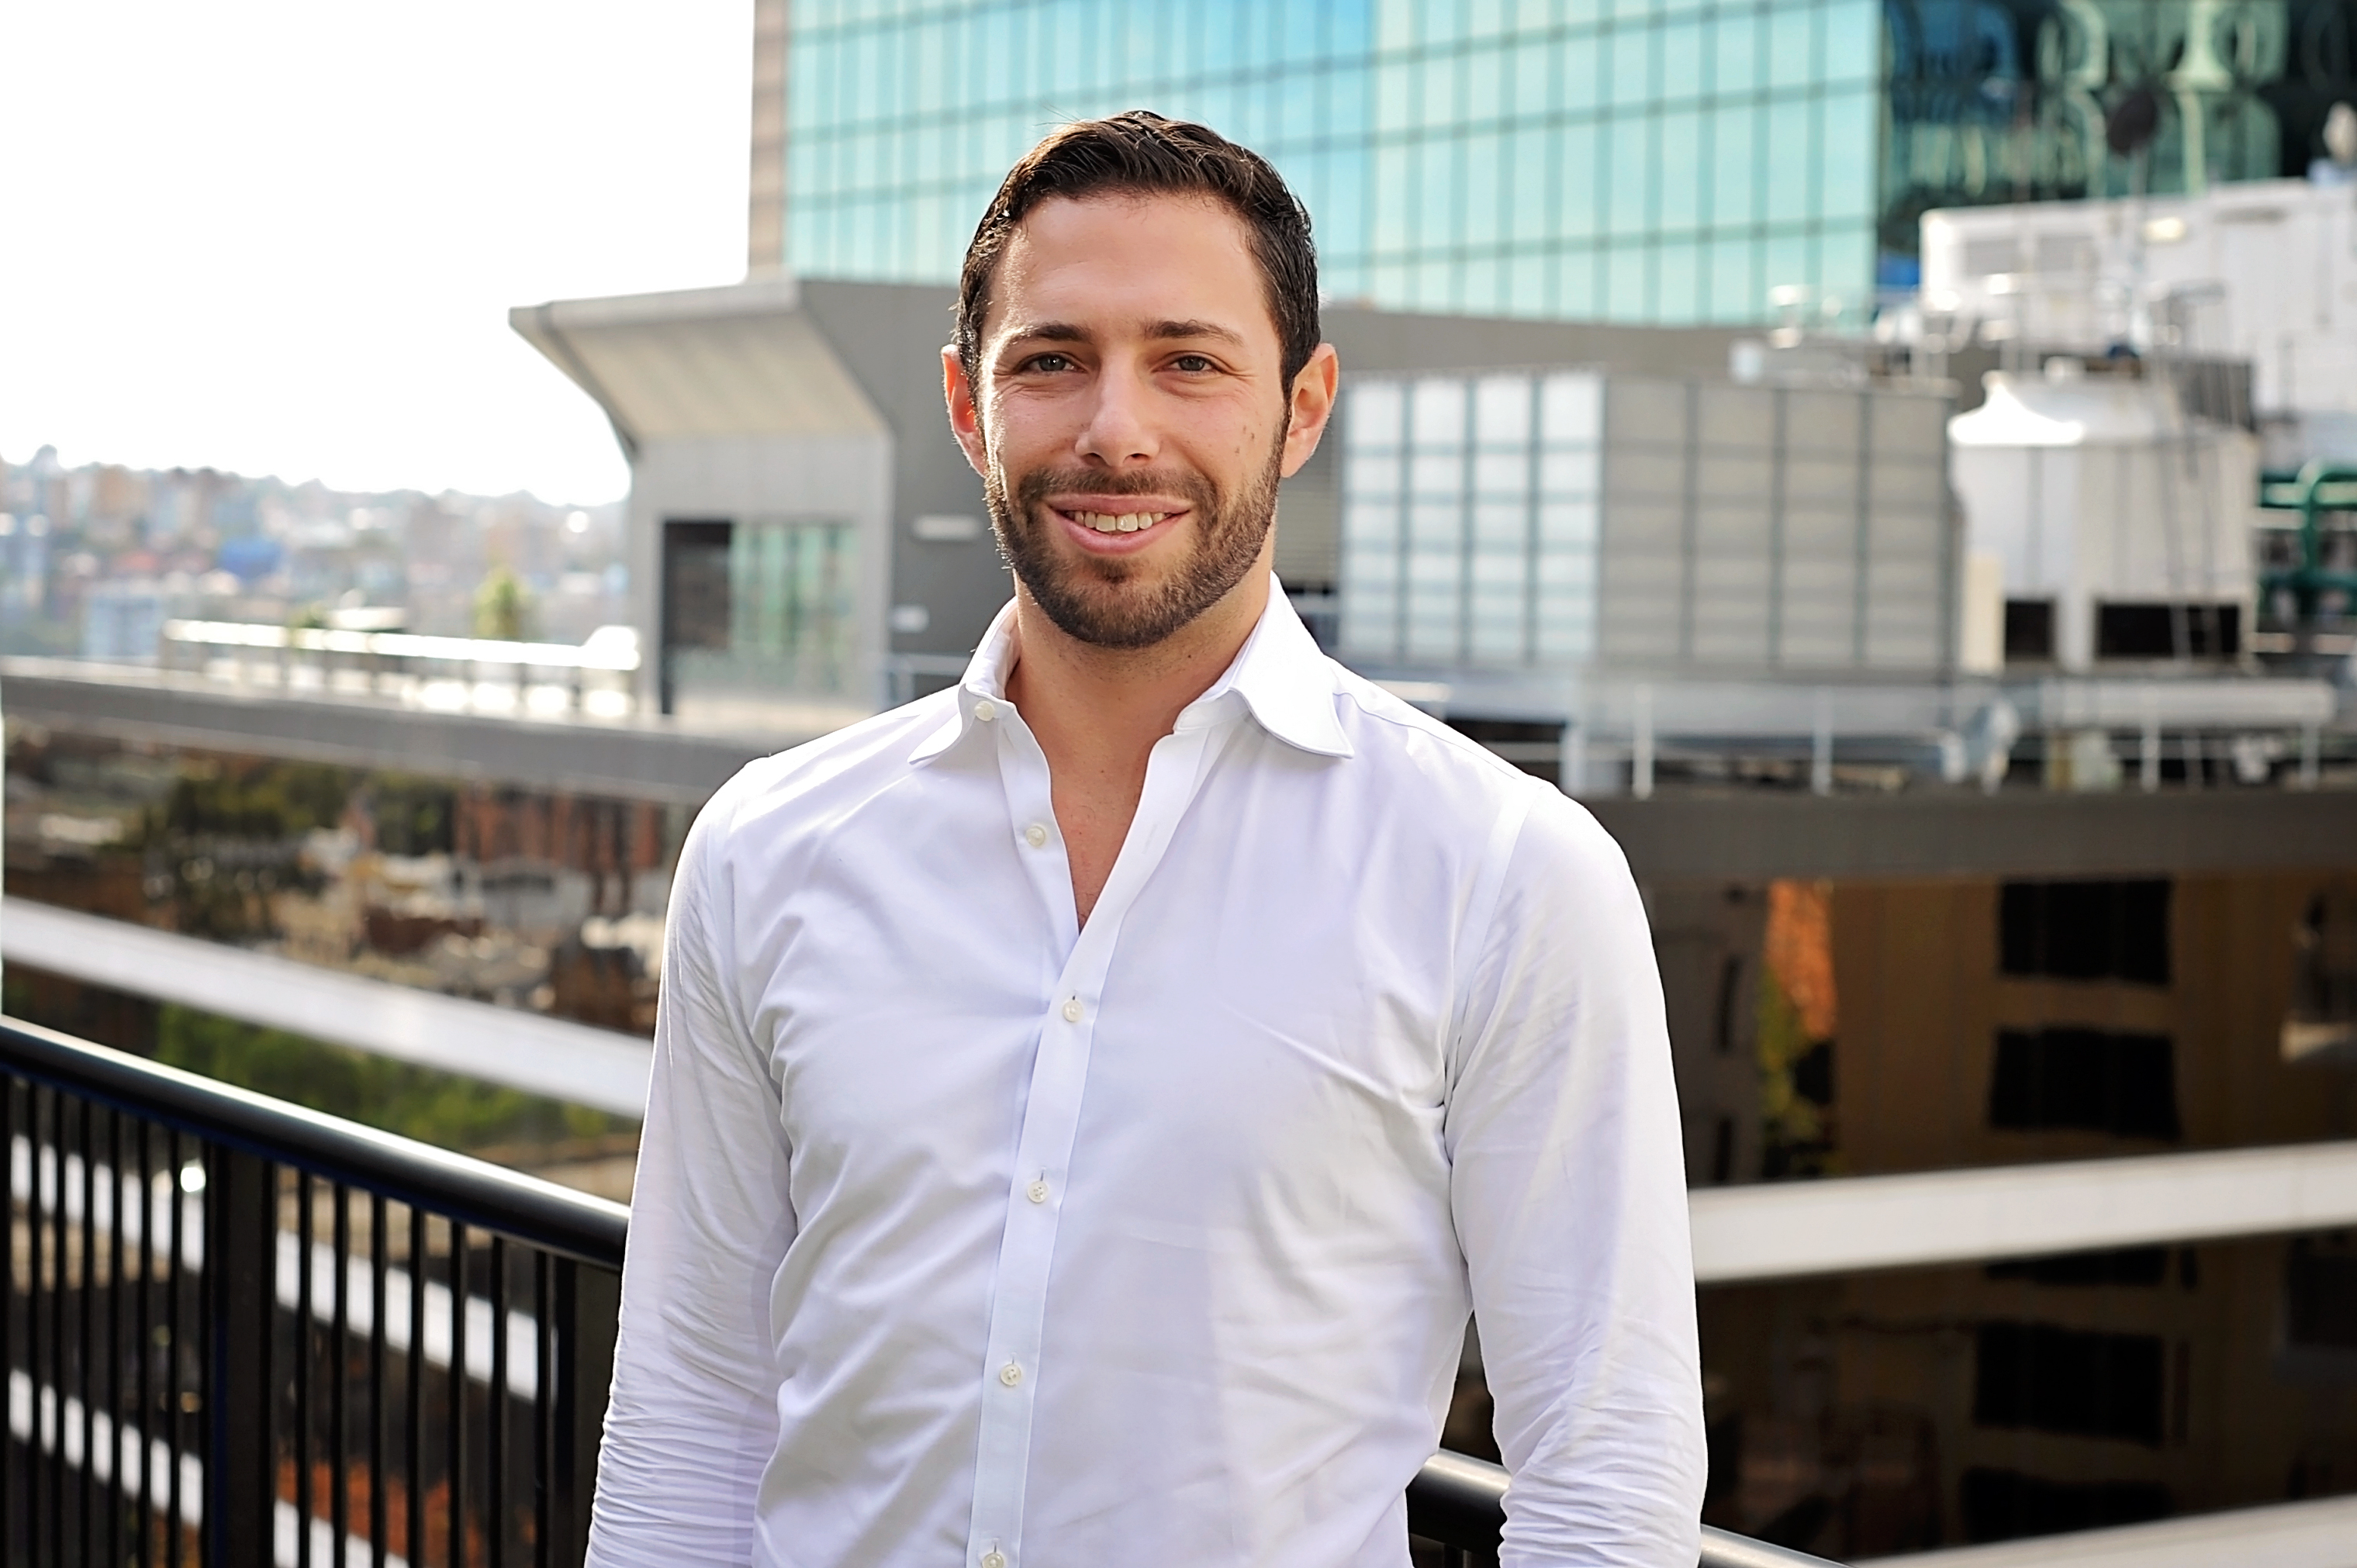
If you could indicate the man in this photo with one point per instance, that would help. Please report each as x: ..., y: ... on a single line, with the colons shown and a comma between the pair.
x: 1087, y: 1100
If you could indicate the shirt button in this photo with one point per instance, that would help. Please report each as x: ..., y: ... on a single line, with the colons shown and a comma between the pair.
x: 985, y: 710
x: 1011, y: 1374
x: 1035, y: 835
x: 1036, y: 1192
x: 1072, y: 1011
x: 993, y: 1560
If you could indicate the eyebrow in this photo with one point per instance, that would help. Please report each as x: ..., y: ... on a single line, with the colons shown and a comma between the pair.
x: 1194, y: 329
x: 1070, y: 332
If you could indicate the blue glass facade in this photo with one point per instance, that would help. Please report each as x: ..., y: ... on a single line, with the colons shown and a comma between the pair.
x: 1639, y: 160
x: 1654, y: 161
x: 2001, y: 101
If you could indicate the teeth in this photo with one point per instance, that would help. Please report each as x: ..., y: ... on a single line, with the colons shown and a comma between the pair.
x: 1126, y: 522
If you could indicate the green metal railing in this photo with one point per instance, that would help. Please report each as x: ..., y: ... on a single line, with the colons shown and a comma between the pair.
x: 2322, y: 486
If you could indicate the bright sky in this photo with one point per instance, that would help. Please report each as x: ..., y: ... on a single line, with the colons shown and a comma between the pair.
x: 282, y: 236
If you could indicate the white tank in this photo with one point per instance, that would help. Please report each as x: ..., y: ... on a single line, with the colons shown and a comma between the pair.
x: 2096, y: 497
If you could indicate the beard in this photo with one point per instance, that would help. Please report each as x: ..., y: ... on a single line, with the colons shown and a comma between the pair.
x: 1123, y: 601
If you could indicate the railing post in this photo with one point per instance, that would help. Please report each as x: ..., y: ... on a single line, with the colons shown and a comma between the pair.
x: 587, y: 1317
x: 241, y: 1262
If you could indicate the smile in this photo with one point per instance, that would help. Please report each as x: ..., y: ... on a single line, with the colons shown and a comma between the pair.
x: 1126, y: 522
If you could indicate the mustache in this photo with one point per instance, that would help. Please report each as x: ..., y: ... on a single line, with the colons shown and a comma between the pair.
x: 1035, y: 487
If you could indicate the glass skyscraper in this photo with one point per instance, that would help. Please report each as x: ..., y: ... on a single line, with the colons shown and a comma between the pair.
x: 1641, y: 161
x: 1659, y: 161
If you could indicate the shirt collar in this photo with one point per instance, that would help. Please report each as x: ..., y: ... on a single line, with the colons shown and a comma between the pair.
x: 1280, y: 676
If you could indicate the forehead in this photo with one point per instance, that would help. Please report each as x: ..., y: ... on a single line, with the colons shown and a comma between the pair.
x: 1124, y: 261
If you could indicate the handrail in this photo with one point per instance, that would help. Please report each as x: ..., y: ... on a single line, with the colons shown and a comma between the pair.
x: 1455, y: 1498
x: 559, y: 1219
x: 1461, y: 1501
x: 618, y: 655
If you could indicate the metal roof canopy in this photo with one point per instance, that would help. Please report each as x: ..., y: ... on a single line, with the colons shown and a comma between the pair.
x: 745, y: 360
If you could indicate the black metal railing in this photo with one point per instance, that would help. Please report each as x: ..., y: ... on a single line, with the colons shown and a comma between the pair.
x: 237, y: 1332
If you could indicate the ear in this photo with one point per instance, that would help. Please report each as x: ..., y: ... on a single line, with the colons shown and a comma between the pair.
x: 965, y: 423
x: 1312, y: 405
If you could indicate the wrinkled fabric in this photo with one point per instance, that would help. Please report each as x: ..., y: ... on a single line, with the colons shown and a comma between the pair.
x: 964, y: 1233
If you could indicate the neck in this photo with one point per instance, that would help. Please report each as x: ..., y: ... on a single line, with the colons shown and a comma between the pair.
x: 1098, y: 710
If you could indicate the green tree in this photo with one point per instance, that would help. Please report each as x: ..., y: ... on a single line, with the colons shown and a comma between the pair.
x: 503, y: 607
x: 416, y: 1102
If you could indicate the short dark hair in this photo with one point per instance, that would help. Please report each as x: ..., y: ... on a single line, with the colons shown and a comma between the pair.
x: 1142, y: 153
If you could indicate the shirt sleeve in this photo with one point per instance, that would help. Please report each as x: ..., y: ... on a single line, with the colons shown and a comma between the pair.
x: 1569, y: 1192
x: 694, y: 1420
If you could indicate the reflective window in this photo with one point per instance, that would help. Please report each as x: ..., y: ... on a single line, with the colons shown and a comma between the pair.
x: 1469, y: 519
x: 1464, y: 155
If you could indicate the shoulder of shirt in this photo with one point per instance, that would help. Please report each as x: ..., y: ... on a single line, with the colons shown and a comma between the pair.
x: 1559, y: 832
x: 1397, y: 731
x: 839, y: 766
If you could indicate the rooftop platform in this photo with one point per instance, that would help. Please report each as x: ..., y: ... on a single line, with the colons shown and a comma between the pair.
x: 1681, y: 833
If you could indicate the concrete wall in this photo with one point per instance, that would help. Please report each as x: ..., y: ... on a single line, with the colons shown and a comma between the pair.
x: 740, y: 478
x: 889, y: 338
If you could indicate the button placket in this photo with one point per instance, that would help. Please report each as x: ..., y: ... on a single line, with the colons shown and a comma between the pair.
x: 1050, y: 1117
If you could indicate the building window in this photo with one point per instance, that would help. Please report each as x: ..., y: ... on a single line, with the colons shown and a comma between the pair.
x: 2085, y: 1079
x: 758, y: 610
x: 2321, y: 1023
x: 2074, y: 1382
x: 791, y: 593
x: 695, y: 596
x: 2028, y: 629
x: 2168, y: 631
x: 2006, y: 1505
x: 2321, y: 1295
x: 2085, y: 930
x: 2121, y: 1266
x: 1469, y: 518
x: 1551, y: 520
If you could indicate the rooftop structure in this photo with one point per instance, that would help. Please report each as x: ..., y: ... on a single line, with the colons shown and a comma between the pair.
x: 2263, y: 272
x: 2123, y: 531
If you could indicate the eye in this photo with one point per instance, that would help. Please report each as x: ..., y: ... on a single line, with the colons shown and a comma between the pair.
x: 1051, y: 364
x: 1193, y: 364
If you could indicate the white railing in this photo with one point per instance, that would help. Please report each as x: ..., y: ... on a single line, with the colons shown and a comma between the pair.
x: 2091, y: 733
x: 594, y: 677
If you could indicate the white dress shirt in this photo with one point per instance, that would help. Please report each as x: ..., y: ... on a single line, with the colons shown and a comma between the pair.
x: 965, y: 1234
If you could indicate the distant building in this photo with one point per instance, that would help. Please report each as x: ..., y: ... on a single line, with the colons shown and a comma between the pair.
x: 806, y: 536
x: 122, y: 621
x: 1661, y: 162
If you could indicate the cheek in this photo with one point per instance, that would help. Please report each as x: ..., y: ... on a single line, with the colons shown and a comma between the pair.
x: 1239, y: 435
x: 1026, y: 422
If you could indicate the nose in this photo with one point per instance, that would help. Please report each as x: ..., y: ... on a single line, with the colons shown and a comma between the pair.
x: 1119, y: 432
